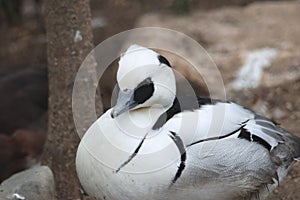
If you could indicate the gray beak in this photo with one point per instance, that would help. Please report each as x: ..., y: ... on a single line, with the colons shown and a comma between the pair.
x: 125, y: 102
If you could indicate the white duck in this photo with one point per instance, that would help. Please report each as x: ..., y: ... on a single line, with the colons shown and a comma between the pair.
x: 153, y: 145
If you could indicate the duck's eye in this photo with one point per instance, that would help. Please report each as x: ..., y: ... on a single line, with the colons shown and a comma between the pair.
x: 143, y: 91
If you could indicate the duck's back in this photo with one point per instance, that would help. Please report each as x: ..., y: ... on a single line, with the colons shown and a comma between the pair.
x: 234, y: 147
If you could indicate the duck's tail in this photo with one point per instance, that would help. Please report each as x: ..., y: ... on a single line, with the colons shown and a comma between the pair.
x: 294, y: 144
x: 297, y: 157
x: 287, y: 151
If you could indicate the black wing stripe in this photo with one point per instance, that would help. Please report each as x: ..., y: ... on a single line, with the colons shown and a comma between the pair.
x: 218, y: 137
x: 132, y: 155
x: 262, y: 142
x: 179, y: 143
x: 245, y: 134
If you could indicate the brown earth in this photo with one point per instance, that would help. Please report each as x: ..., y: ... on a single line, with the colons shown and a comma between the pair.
x: 227, y: 33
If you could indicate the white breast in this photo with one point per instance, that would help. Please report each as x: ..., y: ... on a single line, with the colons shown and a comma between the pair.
x: 105, y: 147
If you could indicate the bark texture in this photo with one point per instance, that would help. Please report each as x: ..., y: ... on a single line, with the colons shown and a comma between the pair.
x: 69, y: 40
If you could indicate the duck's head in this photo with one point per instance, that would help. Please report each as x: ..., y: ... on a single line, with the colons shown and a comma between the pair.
x: 145, y: 80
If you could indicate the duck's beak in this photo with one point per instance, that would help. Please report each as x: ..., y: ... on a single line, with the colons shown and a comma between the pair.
x: 125, y: 102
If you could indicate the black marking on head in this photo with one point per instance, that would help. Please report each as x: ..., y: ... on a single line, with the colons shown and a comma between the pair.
x: 245, y: 134
x: 132, y: 155
x: 184, y: 103
x: 179, y: 143
x: 143, y: 91
x: 163, y: 60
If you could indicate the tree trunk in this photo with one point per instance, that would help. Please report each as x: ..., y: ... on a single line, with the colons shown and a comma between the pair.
x: 69, y: 40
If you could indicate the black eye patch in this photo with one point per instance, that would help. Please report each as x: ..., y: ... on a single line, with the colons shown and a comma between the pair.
x: 163, y: 60
x: 143, y: 91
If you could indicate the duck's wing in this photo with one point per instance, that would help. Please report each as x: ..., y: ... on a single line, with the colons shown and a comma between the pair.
x: 217, y: 119
x: 256, y: 147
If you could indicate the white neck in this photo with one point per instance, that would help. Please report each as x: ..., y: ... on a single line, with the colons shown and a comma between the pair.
x: 137, y: 123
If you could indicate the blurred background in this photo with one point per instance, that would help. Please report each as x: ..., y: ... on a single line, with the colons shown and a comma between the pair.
x: 247, y: 39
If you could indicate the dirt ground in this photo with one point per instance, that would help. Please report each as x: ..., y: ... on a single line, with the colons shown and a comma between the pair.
x: 228, y: 32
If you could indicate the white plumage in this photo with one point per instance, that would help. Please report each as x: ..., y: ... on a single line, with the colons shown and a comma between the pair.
x: 152, y: 145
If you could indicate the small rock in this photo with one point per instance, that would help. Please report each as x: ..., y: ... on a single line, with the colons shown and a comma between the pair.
x: 289, y: 105
x: 33, y: 184
x: 278, y: 113
x: 261, y: 107
x: 78, y: 37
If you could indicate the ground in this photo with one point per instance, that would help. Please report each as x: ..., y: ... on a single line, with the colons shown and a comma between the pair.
x: 228, y: 33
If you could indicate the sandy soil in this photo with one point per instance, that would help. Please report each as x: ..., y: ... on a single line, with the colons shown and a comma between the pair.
x: 228, y: 34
